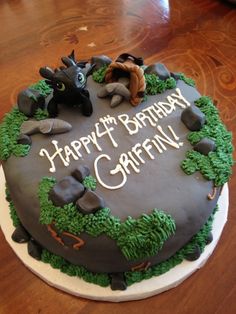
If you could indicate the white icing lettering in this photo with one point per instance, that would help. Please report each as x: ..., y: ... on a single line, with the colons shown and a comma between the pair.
x: 125, y: 162
x: 180, y: 97
x: 43, y: 152
x: 76, y: 145
x: 105, y: 121
x: 132, y: 126
x: 147, y: 147
x: 142, y: 117
x: 137, y: 151
x: 68, y: 153
x: 85, y: 141
x: 118, y: 169
x: 93, y: 139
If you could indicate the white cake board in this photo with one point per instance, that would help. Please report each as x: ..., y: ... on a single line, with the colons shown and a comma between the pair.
x: 78, y: 287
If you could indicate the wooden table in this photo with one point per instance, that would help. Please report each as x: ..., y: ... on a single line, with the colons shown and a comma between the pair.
x: 197, y: 37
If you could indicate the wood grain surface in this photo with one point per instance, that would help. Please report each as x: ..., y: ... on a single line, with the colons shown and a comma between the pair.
x: 197, y: 37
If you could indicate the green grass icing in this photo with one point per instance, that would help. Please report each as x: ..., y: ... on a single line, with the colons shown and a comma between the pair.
x: 12, y: 121
x: 42, y: 87
x: 186, y: 80
x: 9, y: 132
x: 132, y: 276
x: 137, y: 238
x: 99, y: 75
x: 217, y: 165
x: 156, y: 86
x: 90, y: 183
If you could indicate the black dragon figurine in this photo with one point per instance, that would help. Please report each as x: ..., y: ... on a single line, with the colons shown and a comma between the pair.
x: 69, y: 85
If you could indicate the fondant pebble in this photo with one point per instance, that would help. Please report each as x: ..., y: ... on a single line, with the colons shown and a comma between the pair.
x: 80, y: 173
x: 118, y: 281
x: 114, y: 89
x: 100, y: 61
x: 193, y: 118
x: 158, y: 69
x: 29, y: 100
x: 34, y: 249
x: 90, y: 202
x: 205, y: 146
x: 66, y: 191
x: 24, y: 139
x: 194, y: 255
x: 209, y: 238
x: 20, y: 235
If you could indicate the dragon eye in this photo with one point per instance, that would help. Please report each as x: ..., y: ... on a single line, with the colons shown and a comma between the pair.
x: 60, y: 86
x: 81, y: 78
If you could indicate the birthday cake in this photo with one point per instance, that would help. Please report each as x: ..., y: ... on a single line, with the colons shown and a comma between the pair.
x: 114, y: 168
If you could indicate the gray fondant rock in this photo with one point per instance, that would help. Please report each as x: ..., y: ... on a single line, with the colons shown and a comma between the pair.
x: 34, y: 249
x: 118, y: 281
x: 29, y: 100
x: 114, y: 89
x: 20, y: 235
x: 124, y: 80
x: 80, y: 173
x: 194, y: 255
x: 90, y: 202
x: 193, y: 118
x: 158, y: 69
x: 100, y: 61
x: 46, y: 126
x: 116, y: 100
x: 66, y: 191
x: 24, y: 139
x: 205, y: 146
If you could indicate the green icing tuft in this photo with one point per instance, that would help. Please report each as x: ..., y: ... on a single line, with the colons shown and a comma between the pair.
x: 9, y: 132
x: 90, y: 183
x: 137, y: 238
x: 42, y: 87
x: 187, y: 80
x: 217, y: 165
x: 145, y: 236
x: 199, y: 239
x: 99, y: 75
x: 41, y: 114
x: 156, y: 86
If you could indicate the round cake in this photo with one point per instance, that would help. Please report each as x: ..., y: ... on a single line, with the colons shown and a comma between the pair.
x: 114, y: 168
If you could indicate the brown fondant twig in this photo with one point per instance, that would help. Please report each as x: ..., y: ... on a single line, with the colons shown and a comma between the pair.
x: 213, y: 194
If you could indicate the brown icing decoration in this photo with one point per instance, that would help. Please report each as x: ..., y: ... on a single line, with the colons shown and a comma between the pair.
x: 137, y: 83
x: 54, y: 234
x: 140, y: 267
x: 213, y: 194
x: 77, y: 245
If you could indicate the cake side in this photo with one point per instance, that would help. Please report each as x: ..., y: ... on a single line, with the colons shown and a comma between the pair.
x: 134, y: 153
